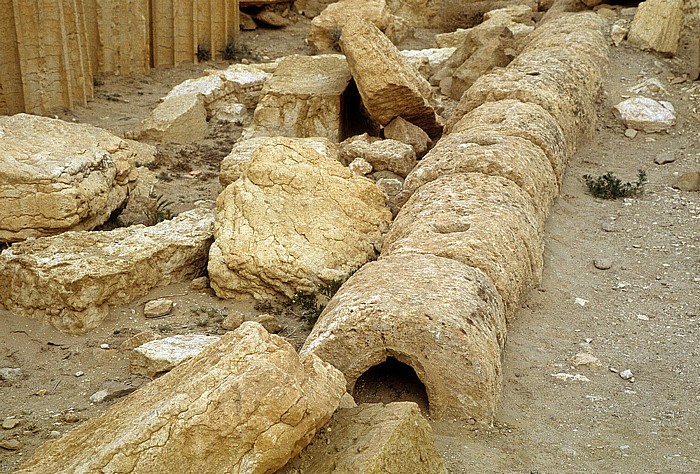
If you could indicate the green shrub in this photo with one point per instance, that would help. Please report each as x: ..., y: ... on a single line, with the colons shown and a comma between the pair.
x: 609, y: 186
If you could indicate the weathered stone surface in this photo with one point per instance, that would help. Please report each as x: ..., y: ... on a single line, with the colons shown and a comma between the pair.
x: 383, y: 155
x: 326, y: 28
x: 180, y: 119
x: 520, y: 119
x: 490, y: 153
x: 247, y: 403
x: 11, y: 374
x: 497, y: 53
x: 232, y: 167
x: 243, y: 84
x: 486, y: 222
x: 57, y: 176
x: 139, y: 339
x: 157, y: 308
x: 647, y: 115
x: 372, y: 438
x: 360, y: 167
x: 388, y: 86
x: 437, y: 315
x: 111, y: 391
x: 210, y: 88
x: 71, y: 280
x: 304, y: 98
x: 270, y: 18
x: 418, y: 13
x: 427, y: 61
x: 688, y: 181
x: 657, y: 25
x: 295, y: 219
x: 162, y: 355
x: 405, y: 132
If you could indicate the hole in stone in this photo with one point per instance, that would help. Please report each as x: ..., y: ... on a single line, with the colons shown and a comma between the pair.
x: 391, y: 381
x: 355, y: 120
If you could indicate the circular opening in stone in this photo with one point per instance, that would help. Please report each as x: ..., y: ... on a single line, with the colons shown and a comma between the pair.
x: 391, y: 381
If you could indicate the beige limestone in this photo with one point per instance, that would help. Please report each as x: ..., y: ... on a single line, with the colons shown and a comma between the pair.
x: 70, y: 280
x: 383, y: 155
x: 304, y: 98
x: 162, y: 355
x: 520, y: 119
x: 427, y: 61
x: 372, y: 439
x: 58, y: 176
x: 179, y: 119
x: 497, y: 53
x: 490, y: 153
x: 326, y: 28
x: 441, y: 317
x: 483, y: 221
x: 247, y: 403
x: 657, y: 26
x: 294, y: 220
x: 388, y: 86
x: 233, y: 165
x: 405, y: 132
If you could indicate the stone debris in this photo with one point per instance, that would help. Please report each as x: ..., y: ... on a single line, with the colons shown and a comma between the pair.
x: 664, y: 158
x: 570, y: 377
x: 111, y: 391
x: 10, y: 423
x: 405, y: 132
x: 584, y: 358
x: 645, y: 114
x: 360, y: 167
x: 602, y: 263
x: 389, y: 87
x: 627, y: 375
x: 158, y: 308
x: 427, y: 61
x: 619, y: 31
x: 648, y: 87
x: 271, y: 19
x: 162, y: 355
x: 11, y: 374
x: 688, y: 181
x: 248, y: 403
x: 296, y: 219
x: 58, y: 176
x: 631, y: 133
x: 270, y: 323
x: 71, y: 280
x: 368, y: 439
x: 181, y: 119
x: 137, y: 340
x: 657, y: 25
x: 233, y: 320
x: 444, y: 318
x: 10, y: 444
x: 199, y: 283
x: 382, y: 155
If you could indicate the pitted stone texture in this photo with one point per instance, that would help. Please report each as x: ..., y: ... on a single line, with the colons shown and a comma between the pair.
x: 296, y: 219
x: 71, y: 280
x: 326, y: 28
x: 162, y: 355
x: 648, y: 115
x: 483, y: 221
x: 427, y: 61
x: 498, y: 53
x: 520, y: 119
x: 490, y: 153
x: 57, y: 176
x: 383, y: 155
x: 657, y: 25
x: 405, y: 132
x: 439, y: 316
x: 210, y: 88
x: 248, y: 403
x: 389, y: 87
x: 179, y: 119
x: 304, y: 98
x: 372, y: 439
x: 232, y: 167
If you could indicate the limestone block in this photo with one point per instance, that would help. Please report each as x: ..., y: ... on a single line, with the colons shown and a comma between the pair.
x: 162, y: 355
x: 372, y: 438
x: 441, y: 317
x: 647, y: 115
x: 383, y: 155
x: 209, y: 87
x: 657, y: 25
x: 418, y: 13
x: 304, y: 98
x: 494, y: 154
x: 243, y: 84
x: 58, y: 176
x: 497, y: 53
x: 405, y: 132
x: 180, y: 119
x: 388, y: 86
x: 294, y: 220
x: 233, y: 165
x: 427, y: 61
x: 520, y: 119
x: 247, y: 403
x: 325, y: 29
x: 70, y: 280
x: 486, y: 222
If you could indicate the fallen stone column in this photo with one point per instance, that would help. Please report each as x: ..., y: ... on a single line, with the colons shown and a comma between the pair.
x: 247, y: 403
x: 486, y: 222
x: 70, y: 280
x: 439, y: 316
x: 372, y: 438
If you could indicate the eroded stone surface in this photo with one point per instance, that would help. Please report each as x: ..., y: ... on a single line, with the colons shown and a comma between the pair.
x: 179, y: 119
x: 71, y: 280
x: 486, y: 222
x: 383, y: 155
x: 645, y: 114
x: 657, y: 25
x: 405, y: 132
x: 296, y: 219
x: 439, y: 316
x: 372, y: 438
x: 161, y: 355
x: 57, y: 176
x: 248, y: 403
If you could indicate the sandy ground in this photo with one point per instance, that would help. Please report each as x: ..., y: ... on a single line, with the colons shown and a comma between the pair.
x: 641, y: 314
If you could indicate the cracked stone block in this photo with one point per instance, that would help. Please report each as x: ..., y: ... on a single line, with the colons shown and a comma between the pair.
x: 162, y: 355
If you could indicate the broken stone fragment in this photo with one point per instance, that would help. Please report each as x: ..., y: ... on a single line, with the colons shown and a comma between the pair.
x: 179, y: 119
x: 405, y: 132
x: 158, y: 307
x: 247, y: 403
x: 162, y: 355
x: 647, y: 115
x: 657, y: 25
x: 382, y: 155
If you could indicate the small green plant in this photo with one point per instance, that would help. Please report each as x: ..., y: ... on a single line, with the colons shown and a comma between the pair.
x: 609, y: 186
x: 158, y: 210
x: 203, y: 53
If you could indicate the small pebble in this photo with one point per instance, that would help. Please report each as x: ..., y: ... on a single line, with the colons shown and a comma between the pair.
x: 54, y: 434
x: 199, y: 283
x: 79, y: 373
x: 10, y: 374
x: 233, y: 320
x: 608, y: 227
x: 9, y: 423
x: 664, y: 157
x: 10, y: 444
x: 157, y: 308
x: 602, y: 263
x: 104, y: 346
x: 631, y: 133
x: 627, y: 375
x: 584, y: 358
x: 70, y: 417
x: 270, y: 323
x: 643, y: 317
